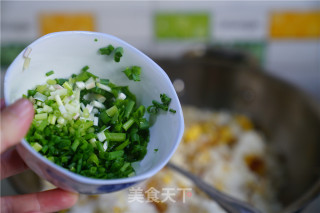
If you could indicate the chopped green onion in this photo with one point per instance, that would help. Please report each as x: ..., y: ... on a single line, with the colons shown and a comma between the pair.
x: 51, y: 82
x: 88, y: 125
x: 41, y: 88
x: 118, y: 54
x: 156, y: 106
x: 106, y: 50
x: 99, y: 146
x: 40, y: 97
x: 67, y: 86
x: 50, y: 73
x: 75, y: 145
x: 133, y: 73
x: 93, y: 158
x: 115, y: 136
x: 36, y: 146
x: 172, y: 110
x: 41, y: 116
x: 129, y: 108
x: 128, y: 124
x: 123, y: 145
x: 115, y: 154
x: 112, y: 111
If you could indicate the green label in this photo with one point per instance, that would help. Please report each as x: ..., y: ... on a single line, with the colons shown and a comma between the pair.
x: 182, y: 26
x: 255, y: 49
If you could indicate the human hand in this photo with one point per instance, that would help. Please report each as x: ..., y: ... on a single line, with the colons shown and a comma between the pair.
x: 15, y: 122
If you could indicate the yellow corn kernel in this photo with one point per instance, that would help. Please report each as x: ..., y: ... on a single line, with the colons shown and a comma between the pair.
x: 203, y: 157
x: 167, y: 179
x: 244, y: 122
x: 193, y: 133
x: 226, y: 136
x: 117, y: 209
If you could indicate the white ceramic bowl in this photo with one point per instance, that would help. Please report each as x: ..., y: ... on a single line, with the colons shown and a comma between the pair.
x: 66, y: 53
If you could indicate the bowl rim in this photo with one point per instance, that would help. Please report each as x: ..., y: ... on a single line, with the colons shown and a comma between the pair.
x: 87, y: 180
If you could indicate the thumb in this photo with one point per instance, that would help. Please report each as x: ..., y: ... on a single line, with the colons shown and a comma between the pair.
x: 15, y: 122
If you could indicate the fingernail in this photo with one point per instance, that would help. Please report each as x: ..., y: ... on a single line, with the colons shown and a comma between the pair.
x: 21, y: 108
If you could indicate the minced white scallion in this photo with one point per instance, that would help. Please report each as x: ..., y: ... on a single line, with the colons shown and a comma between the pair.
x: 81, y: 85
x: 90, y: 83
x: 106, y: 128
x: 51, y: 88
x: 61, y: 120
x: 58, y: 100
x: 82, y: 106
x: 26, y: 63
x: 39, y: 110
x: 101, y: 136
x: 104, y: 87
x: 62, y: 109
x: 40, y: 97
x: 57, y: 86
x: 100, y: 98
x: 71, y: 109
x: 95, y: 111
x: 27, y: 52
x: 91, y: 117
x: 52, y: 119
x: 60, y: 92
x: 47, y: 108
x: 122, y: 96
x: 89, y: 107
x: 76, y: 116
x: 105, y: 145
x: 98, y: 104
x: 95, y: 121
x: 66, y: 99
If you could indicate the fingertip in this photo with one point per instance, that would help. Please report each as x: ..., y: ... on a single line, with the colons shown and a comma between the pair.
x: 57, y: 199
x: 15, y: 122
x: 68, y: 198
x: 46, y: 201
